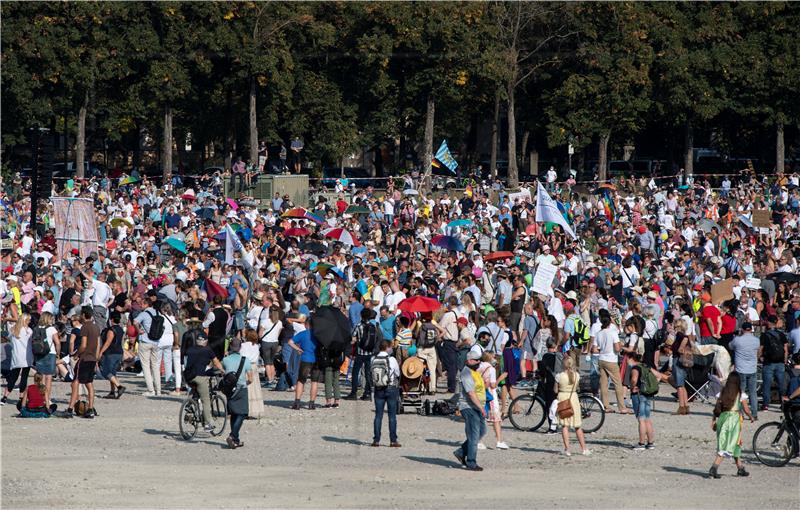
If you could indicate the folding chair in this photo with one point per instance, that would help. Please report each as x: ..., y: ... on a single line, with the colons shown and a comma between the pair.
x: 697, y: 379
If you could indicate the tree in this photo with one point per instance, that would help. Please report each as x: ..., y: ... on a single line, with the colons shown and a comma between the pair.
x: 607, y: 87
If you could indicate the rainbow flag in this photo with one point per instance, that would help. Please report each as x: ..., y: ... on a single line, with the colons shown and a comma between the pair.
x: 608, y: 207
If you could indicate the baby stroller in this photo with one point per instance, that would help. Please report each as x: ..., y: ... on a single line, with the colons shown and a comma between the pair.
x: 413, y: 383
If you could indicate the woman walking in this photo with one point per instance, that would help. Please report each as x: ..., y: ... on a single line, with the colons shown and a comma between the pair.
x: 567, y: 384
x: 727, y: 422
x: 250, y: 350
x: 21, y: 355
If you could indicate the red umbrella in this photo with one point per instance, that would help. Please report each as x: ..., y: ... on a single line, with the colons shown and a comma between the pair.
x: 419, y: 304
x: 296, y: 232
x: 215, y: 289
x: 498, y: 255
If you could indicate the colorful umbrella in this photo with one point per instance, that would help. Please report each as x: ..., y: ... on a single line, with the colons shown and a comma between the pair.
x: 357, y: 209
x: 342, y: 235
x: 448, y: 243
x: 231, y: 202
x: 296, y: 232
x: 116, y: 222
x: 176, y: 244
x: 295, y: 212
x: 323, y: 267
x: 498, y: 255
x: 128, y: 180
x: 419, y: 304
x: 463, y: 222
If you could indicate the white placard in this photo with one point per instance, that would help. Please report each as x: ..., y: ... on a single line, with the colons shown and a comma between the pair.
x: 543, y: 280
x: 753, y: 283
x: 522, y: 195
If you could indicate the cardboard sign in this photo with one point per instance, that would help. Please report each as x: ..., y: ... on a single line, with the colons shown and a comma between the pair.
x: 761, y: 218
x: 722, y: 291
x: 543, y: 280
x: 752, y: 283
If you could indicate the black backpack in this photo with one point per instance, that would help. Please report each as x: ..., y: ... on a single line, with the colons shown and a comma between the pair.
x: 369, y: 337
x: 773, y: 347
x: 39, y: 344
x: 427, y: 336
x: 156, y: 327
x: 228, y: 383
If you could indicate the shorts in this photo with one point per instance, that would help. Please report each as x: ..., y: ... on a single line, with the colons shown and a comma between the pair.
x: 678, y: 372
x: 85, y: 372
x: 642, y: 406
x: 268, y: 351
x: 109, y: 365
x: 310, y: 369
x: 46, y: 365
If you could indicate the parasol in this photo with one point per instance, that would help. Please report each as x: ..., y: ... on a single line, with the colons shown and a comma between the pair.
x: 419, y: 304
x: 296, y: 232
x: 448, y: 243
x: 463, y: 222
x: 498, y: 255
x: 331, y: 328
x: 116, y: 222
x: 176, y: 244
x: 231, y: 202
x: 784, y: 276
x: 410, y: 192
x: 342, y: 235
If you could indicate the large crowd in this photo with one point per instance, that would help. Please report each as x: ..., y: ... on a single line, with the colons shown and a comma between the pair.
x: 435, y: 286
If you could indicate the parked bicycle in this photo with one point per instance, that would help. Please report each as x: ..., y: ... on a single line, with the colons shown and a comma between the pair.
x: 777, y: 442
x: 190, y: 417
x: 528, y: 411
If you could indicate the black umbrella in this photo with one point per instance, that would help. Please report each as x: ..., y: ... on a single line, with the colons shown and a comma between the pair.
x: 331, y: 328
x: 206, y: 213
x: 784, y: 276
x: 315, y: 247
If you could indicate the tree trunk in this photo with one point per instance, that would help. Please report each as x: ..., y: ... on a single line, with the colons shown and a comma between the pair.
x: 602, y: 157
x: 534, y: 163
x: 688, y: 155
x: 495, y: 123
x: 780, y: 149
x: 166, y: 147
x: 427, y: 155
x: 229, y: 133
x: 253, y: 125
x: 524, y: 149
x: 513, y: 172
x: 80, y: 139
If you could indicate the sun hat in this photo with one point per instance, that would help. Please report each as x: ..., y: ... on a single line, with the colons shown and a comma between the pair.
x: 413, y: 367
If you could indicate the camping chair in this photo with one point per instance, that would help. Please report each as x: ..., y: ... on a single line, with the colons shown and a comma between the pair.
x: 697, y: 377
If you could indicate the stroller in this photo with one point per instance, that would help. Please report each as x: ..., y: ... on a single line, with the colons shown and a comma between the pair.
x: 414, y: 381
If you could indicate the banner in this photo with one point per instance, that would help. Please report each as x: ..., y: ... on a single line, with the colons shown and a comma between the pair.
x: 543, y: 280
x: 231, y: 243
x: 522, y: 195
x: 75, y: 224
x: 547, y: 211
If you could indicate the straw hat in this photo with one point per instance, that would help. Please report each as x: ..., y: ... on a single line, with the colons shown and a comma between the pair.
x: 413, y: 368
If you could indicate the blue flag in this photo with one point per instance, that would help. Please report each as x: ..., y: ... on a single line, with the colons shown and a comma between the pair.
x: 444, y: 157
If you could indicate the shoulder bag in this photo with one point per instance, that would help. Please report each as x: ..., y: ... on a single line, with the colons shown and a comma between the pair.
x: 564, y: 409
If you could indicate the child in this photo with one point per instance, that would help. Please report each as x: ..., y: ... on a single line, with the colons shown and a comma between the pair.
x: 727, y: 422
x: 489, y: 374
x: 32, y: 404
x: 642, y: 404
x: 548, y: 368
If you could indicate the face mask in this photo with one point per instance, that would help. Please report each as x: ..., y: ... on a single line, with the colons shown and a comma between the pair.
x: 473, y: 366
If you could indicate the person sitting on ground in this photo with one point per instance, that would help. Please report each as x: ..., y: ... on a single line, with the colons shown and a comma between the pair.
x: 32, y: 403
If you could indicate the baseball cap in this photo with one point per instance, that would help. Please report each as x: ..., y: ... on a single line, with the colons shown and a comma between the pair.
x: 463, y: 321
x: 747, y: 326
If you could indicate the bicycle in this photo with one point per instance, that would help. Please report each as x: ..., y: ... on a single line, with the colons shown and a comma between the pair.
x: 776, y: 443
x: 528, y: 411
x: 191, y: 413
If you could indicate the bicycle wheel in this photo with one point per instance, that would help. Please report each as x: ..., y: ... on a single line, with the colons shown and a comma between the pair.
x: 219, y: 414
x: 593, y: 415
x: 188, y: 418
x: 773, y: 445
x: 527, y: 413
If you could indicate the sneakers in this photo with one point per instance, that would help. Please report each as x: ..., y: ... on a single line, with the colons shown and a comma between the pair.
x: 120, y: 391
x: 208, y: 427
x: 763, y: 408
x: 566, y: 453
x: 3, y: 401
x: 551, y: 431
x: 742, y: 472
x: 149, y: 394
x: 111, y: 395
x: 640, y: 447
x: 231, y: 442
x: 90, y: 414
x: 474, y: 468
x: 460, y: 457
x: 501, y: 446
x: 586, y: 453
x: 69, y: 413
x: 481, y: 446
x: 375, y: 444
x: 650, y: 446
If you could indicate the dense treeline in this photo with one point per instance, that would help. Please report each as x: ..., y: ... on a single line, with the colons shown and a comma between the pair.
x: 346, y: 75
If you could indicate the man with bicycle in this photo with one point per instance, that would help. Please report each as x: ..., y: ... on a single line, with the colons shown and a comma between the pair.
x: 198, y: 358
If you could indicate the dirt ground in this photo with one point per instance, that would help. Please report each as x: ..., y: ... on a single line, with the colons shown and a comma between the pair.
x: 131, y: 456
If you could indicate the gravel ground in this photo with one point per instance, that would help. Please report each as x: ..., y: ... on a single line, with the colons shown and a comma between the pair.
x: 131, y: 456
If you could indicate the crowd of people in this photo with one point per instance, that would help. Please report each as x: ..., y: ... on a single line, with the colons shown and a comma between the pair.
x: 660, y: 276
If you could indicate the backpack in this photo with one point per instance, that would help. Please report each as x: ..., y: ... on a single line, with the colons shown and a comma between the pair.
x: 773, y: 347
x: 381, y: 372
x: 39, y: 344
x: 427, y: 336
x: 368, y: 338
x: 156, y: 330
x: 228, y: 383
x: 580, y: 334
x: 648, y: 382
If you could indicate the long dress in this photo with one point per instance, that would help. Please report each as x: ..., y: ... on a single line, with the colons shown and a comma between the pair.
x: 729, y: 431
x: 569, y: 391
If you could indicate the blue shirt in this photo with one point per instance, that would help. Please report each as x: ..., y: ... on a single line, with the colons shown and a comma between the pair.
x: 355, y: 313
x: 304, y: 341
x: 231, y: 364
x: 387, y: 327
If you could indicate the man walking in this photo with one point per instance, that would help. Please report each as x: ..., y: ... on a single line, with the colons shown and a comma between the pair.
x: 386, y: 372
x: 366, y: 338
x: 745, y: 349
x: 471, y: 406
x: 88, y: 354
x: 774, y: 353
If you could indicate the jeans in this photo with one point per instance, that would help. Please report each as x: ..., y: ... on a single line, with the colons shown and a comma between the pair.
x: 769, y: 370
x: 332, y: 388
x: 475, y: 429
x: 385, y: 397
x: 205, y: 399
x: 292, y: 360
x: 366, y: 362
x: 148, y: 355
x: 594, y: 372
x: 748, y: 385
x: 236, y: 425
x: 165, y: 356
x: 449, y: 363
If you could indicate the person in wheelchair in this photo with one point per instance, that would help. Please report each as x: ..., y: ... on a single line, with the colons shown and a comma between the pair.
x: 196, y: 373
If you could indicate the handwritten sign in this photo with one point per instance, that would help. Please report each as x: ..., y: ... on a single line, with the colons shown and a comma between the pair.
x: 761, y: 218
x: 543, y: 280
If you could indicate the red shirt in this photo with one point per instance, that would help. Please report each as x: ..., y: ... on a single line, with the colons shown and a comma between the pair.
x: 341, y: 206
x: 709, y: 311
x: 35, y: 397
x: 728, y: 324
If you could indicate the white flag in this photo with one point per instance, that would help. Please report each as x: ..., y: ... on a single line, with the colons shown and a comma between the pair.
x: 547, y: 211
x: 232, y: 244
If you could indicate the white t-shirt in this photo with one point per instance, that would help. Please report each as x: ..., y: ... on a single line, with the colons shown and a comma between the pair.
x: 250, y: 351
x: 256, y: 317
x: 605, y: 340
x: 167, y: 338
x: 272, y: 334
x: 50, y: 333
